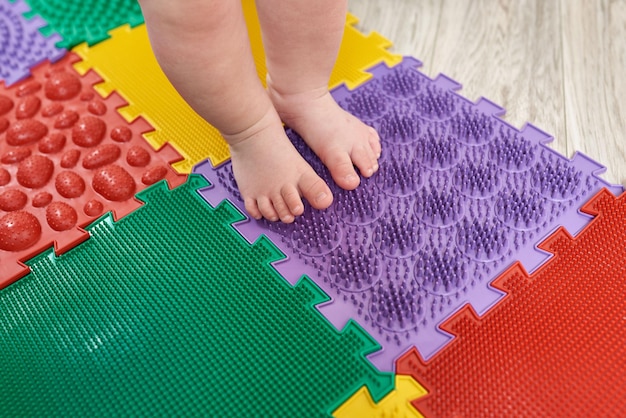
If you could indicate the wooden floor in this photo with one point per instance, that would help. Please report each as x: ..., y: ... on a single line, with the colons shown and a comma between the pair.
x: 558, y: 64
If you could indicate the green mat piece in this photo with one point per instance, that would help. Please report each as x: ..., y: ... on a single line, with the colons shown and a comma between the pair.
x: 169, y: 311
x: 79, y: 21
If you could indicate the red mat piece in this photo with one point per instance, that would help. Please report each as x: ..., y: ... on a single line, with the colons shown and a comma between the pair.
x: 554, y: 346
x: 67, y: 157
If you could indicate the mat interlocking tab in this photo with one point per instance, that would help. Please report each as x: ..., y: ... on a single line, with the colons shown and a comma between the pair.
x: 171, y: 312
x: 358, y: 53
x: 395, y: 405
x: 66, y: 157
x: 79, y: 21
x: 22, y: 46
x: 555, y: 346
x: 459, y: 197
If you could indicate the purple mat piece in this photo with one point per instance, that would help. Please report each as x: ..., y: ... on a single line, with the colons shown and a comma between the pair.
x: 22, y: 46
x: 460, y: 196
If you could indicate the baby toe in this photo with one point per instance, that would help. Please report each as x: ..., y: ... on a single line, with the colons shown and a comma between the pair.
x: 342, y: 169
x: 267, y: 209
x: 374, y: 141
x: 252, y: 208
x: 281, y: 208
x: 315, y: 190
x: 365, y: 160
x: 292, y: 199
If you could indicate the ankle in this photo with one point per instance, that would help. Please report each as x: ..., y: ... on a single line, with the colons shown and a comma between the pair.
x: 286, y: 98
x: 266, y: 121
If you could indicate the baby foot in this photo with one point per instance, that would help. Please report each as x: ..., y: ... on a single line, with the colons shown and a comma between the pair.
x: 338, y: 138
x: 271, y: 175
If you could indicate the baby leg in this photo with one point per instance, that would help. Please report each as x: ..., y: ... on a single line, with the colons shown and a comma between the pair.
x: 203, y: 48
x: 302, y: 40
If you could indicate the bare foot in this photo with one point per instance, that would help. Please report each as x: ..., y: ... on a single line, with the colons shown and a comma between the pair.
x: 338, y: 138
x: 271, y: 175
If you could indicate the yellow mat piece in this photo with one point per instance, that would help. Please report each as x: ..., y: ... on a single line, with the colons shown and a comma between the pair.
x: 397, y: 404
x: 127, y: 65
x: 357, y: 53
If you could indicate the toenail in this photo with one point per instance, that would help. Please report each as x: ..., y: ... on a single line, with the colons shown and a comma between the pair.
x: 350, y: 177
x: 320, y: 197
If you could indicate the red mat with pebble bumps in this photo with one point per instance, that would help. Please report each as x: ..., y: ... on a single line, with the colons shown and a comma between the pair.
x: 67, y: 157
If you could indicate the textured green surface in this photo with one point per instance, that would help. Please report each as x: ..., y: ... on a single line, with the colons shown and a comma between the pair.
x: 171, y: 312
x: 79, y: 21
